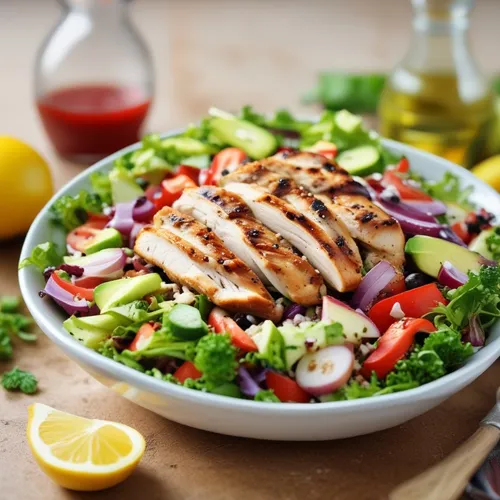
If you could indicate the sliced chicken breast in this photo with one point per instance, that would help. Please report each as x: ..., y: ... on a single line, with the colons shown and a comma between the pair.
x: 284, y: 187
x: 379, y: 234
x: 268, y: 255
x: 303, y: 233
x: 206, y: 267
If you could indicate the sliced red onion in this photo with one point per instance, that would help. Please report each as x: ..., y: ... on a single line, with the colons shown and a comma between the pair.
x: 123, y: 219
x: 475, y: 333
x: 412, y: 224
x: 401, y: 209
x: 448, y: 234
x: 375, y: 280
x: 260, y: 375
x: 133, y: 234
x: 66, y: 299
x: 144, y: 210
x: 105, y: 263
x: 292, y: 310
x: 450, y: 276
x: 248, y: 385
x: 434, y: 207
x: 487, y: 262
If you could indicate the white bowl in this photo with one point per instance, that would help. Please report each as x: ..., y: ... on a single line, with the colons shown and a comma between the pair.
x: 294, y: 422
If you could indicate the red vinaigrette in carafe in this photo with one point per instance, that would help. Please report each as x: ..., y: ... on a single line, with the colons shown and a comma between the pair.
x: 94, y: 80
x: 92, y: 121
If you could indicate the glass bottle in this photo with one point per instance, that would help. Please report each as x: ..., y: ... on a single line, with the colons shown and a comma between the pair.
x: 436, y: 98
x: 93, y: 80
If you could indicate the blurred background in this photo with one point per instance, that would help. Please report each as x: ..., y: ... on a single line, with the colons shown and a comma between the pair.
x: 228, y: 53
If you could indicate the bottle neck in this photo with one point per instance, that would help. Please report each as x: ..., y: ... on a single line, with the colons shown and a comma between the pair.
x: 440, y: 42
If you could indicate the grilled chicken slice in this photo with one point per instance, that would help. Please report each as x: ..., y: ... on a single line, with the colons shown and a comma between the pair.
x: 329, y: 177
x: 273, y: 181
x: 379, y: 234
x: 201, y: 262
x: 303, y: 233
x: 268, y: 255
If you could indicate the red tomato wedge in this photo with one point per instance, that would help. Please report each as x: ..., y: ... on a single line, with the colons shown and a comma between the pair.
x: 187, y: 370
x: 406, y: 192
x: 89, y: 281
x: 414, y: 304
x: 192, y: 172
x: 76, y: 291
x: 202, y: 178
x: 286, y: 389
x: 460, y: 229
x: 222, y: 323
x: 328, y: 153
x: 403, y: 167
x: 393, y: 345
x: 171, y: 190
x: 98, y: 219
x: 80, y: 236
x: 145, y: 332
x: 223, y: 163
x: 152, y: 192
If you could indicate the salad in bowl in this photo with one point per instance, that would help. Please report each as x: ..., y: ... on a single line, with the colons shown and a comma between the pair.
x: 276, y: 260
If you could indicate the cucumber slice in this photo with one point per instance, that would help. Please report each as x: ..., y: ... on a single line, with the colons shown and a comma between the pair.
x: 362, y: 160
x: 347, y: 122
x: 255, y: 141
x: 186, y: 323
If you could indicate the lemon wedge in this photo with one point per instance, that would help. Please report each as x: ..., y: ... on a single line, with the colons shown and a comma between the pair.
x: 79, y: 453
x: 489, y: 171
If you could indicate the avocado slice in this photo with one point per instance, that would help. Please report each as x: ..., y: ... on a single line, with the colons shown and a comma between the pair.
x: 91, y: 330
x: 429, y: 253
x: 256, y: 141
x: 123, y: 188
x: 107, y: 238
x: 479, y: 244
x: 119, y: 292
x: 270, y: 345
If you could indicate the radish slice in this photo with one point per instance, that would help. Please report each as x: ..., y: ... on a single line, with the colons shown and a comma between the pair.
x: 326, y: 370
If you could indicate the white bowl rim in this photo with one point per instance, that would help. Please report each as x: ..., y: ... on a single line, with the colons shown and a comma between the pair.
x: 146, y: 382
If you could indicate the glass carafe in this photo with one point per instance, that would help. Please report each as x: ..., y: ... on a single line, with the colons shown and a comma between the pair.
x: 93, y: 80
x: 436, y: 98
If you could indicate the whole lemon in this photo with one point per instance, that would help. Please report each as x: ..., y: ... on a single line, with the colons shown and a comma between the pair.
x: 25, y: 186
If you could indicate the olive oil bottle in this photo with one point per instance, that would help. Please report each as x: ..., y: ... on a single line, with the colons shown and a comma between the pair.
x: 436, y: 99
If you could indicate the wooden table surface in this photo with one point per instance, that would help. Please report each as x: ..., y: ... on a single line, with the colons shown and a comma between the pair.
x: 228, y: 53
